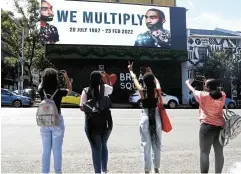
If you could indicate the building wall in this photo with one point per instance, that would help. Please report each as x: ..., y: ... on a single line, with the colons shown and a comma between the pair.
x: 199, y: 48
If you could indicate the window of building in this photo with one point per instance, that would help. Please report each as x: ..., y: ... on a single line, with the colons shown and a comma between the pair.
x: 202, y: 51
x: 190, y: 55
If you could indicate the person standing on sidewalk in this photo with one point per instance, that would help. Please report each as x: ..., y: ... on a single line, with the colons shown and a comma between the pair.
x: 52, y: 137
x: 150, y: 123
x: 98, y: 126
x: 211, y: 103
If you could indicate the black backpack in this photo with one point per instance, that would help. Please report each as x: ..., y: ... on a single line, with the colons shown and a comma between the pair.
x: 97, y: 112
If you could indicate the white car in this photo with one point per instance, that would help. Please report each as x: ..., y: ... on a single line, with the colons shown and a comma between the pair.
x: 169, y: 100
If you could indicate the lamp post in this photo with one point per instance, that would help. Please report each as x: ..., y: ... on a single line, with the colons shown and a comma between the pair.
x: 21, y: 64
x: 22, y: 61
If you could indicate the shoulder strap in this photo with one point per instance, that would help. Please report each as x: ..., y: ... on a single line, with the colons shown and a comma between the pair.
x: 228, y: 114
x: 54, y: 94
x: 87, y: 92
x: 222, y: 139
x: 45, y: 95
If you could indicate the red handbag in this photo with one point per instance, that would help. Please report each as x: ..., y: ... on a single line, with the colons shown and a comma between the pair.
x: 166, y: 123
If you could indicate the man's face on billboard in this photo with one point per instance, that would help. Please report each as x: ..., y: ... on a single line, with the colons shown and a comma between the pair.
x: 152, y: 19
x: 46, y: 12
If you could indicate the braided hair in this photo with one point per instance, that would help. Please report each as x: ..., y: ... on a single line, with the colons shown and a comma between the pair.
x: 149, y: 79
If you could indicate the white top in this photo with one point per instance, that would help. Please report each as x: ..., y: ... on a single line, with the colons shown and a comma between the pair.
x: 108, y: 91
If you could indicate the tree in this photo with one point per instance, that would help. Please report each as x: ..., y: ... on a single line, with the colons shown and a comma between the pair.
x: 10, y: 41
x: 221, y: 65
x: 10, y: 33
x: 33, y: 50
x: 217, y: 65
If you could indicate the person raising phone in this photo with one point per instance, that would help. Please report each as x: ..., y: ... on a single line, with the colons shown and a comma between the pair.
x: 211, y: 103
x: 150, y: 123
x: 52, y: 137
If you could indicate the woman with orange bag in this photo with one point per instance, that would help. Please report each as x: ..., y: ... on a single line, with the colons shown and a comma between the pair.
x: 150, y: 123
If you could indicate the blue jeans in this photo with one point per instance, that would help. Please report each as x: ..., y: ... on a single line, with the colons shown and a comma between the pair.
x: 52, y: 139
x: 98, y: 144
x: 149, y: 148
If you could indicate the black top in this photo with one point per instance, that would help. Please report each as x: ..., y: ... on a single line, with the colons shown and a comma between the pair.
x: 57, y: 98
x: 149, y: 103
x: 49, y: 34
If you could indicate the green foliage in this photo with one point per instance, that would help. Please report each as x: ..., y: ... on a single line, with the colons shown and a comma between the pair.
x: 218, y: 65
x: 9, y: 33
x: 10, y: 61
x: 11, y: 29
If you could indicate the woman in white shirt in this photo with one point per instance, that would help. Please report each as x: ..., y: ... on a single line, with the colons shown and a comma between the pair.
x: 99, y: 131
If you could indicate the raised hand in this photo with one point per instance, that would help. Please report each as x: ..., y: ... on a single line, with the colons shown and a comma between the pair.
x: 130, y: 65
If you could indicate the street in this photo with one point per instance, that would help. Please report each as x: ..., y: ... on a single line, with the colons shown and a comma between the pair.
x: 21, y: 143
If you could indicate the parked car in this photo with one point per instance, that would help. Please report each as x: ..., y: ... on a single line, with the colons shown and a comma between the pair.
x: 27, y: 93
x: 73, y: 98
x: 230, y: 103
x: 169, y: 100
x: 12, y: 99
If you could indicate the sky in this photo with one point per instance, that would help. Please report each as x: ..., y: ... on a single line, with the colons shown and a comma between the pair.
x: 211, y: 14
x: 201, y: 14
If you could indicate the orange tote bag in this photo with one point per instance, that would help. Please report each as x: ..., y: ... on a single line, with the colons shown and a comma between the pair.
x: 166, y: 123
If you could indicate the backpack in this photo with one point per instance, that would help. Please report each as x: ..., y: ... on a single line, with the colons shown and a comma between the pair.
x: 232, y: 127
x: 47, y: 112
x: 97, y: 111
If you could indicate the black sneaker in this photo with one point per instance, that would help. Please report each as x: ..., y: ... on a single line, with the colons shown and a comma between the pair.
x: 105, y: 171
x: 156, y: 170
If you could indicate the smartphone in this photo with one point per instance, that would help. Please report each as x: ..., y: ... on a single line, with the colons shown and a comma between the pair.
x: 142, y: 70
x: 61, y: 79
x: 192, y: 74
x: 62, y: 71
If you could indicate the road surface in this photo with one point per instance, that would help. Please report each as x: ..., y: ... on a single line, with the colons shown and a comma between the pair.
x: 21, y: 143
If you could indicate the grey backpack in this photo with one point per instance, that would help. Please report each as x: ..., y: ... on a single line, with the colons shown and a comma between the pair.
x: 232, y: 127
x: 47, y: 113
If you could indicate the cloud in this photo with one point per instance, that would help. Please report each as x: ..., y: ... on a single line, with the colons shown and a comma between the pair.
x: 190, y: 3
x: 208, y: 20
x: 9, y: 5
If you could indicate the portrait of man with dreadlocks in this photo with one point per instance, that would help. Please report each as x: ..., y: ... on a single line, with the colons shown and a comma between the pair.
x: 48, y: 33
x: 156, y: 36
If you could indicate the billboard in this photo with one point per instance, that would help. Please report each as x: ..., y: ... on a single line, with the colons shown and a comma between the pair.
x: 96, y: 23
